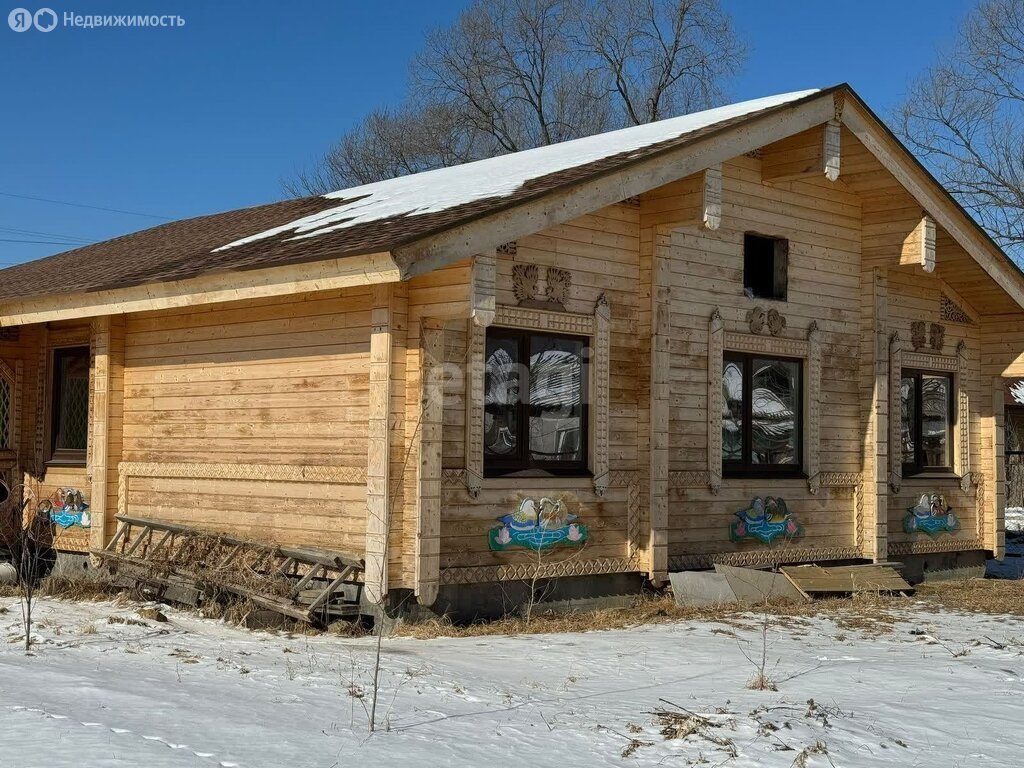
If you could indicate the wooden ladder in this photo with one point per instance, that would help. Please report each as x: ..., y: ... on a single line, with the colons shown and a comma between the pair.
x: 305, y: 583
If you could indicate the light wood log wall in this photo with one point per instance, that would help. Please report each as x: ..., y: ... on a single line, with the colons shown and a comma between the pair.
x: 916, y: 296
x: 600, y: 250
x: 1002, y: 359
x: 822, y: 223
x: 270, y: 381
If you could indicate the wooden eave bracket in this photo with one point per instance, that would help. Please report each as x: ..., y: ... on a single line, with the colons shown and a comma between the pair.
x: 810, y: 155
x: 919, y: 246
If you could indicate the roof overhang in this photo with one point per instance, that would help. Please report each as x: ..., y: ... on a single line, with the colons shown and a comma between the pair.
x: 208, y: 289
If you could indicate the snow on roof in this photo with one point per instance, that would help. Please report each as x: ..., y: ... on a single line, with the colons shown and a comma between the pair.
x: 445, y: 188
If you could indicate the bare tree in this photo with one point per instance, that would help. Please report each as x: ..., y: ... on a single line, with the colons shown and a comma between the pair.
x: 663, y: 59
x: 965, y: 118
x: 509, y: 75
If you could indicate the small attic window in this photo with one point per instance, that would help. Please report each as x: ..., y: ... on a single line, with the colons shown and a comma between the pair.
x: 765, y: 267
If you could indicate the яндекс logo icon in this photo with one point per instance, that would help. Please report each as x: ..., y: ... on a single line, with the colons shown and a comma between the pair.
x: 20, y: 19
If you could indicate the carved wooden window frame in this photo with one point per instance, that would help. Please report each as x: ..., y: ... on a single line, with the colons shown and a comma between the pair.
x: 959, y: 367
x: 596, y: 327
x: 55, y: 341
x: 808, y: 350
x: 12, y: 377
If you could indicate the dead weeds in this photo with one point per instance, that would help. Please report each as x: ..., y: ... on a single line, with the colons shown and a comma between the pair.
x: 993, y: 596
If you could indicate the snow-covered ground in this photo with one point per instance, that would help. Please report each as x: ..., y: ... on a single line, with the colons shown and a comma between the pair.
x: 942, y: 689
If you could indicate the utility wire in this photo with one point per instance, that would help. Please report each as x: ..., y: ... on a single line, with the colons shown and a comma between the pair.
x: 83, y: 205
x: 39, y: 242
x: 37, y: 233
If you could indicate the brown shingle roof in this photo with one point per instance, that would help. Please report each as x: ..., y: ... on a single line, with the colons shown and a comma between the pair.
x: 186, y: 249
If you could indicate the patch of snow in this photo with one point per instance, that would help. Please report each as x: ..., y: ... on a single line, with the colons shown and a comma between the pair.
x: 193, y: 692
x: 444, y: 188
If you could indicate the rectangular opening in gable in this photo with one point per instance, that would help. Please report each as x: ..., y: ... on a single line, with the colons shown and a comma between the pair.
x: 765, y: 267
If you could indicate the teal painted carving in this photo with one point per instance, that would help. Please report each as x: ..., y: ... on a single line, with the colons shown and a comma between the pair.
x: 67, y: 507
x: 931, y: 515
x: 537, y: 524
x: 766, y: 519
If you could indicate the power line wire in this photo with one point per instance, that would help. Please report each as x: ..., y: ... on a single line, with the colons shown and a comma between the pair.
x: 37, y: 233
x: 39, y: 242
x: 83, y: 205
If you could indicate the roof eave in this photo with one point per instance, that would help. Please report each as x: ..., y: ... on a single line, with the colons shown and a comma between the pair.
x: 211, y: 288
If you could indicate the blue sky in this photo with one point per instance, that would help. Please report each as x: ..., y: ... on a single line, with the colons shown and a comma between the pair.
x: 212, y: 116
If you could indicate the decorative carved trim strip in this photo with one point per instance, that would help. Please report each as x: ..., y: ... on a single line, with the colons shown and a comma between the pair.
x: 453, y: 478
x: 544, y: 320
x: 812, y: 431
x: 858, y: 518
x: 511, y: 248
x: 42, y: 407
x: 896, y: 358
x: 13, y: 378
x: 282, y: 473
x: 980, y: 501
x: 75, y: 337
x: 930, y: 362
x: 839, y: 479
x: 680, y: 479
x: 761, y: 557
x: 601, y: 362
x: 963, y: 388
x: 544, y: 570
x: 925, y: 546
x: 716, y: 349
x: 767, y: 345
x: 475, y: 409
x: 951, y: 312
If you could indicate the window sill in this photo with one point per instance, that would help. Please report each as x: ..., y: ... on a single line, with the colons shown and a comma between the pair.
x: 534, y: 473
x: 67, y: 463
x: 932, y: 475
x: 726, y: 475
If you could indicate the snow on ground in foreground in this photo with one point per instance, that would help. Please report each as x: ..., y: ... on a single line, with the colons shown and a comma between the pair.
x: 943, y: 689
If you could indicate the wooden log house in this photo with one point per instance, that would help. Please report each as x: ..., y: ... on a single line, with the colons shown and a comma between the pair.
x: 759, y: 334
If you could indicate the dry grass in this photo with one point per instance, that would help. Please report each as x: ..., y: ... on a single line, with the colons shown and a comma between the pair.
x: 866, y: 613
x: 993, y: 596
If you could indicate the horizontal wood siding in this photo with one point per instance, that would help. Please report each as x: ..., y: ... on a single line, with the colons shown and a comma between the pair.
x: 600, y: 251
x: 822, y: 224
x: 271, y: 381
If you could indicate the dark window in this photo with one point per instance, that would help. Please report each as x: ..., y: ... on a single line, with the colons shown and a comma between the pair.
x: 761, y: 415
x: 765, y: 267
x: 535, y: 403
x: 70, y: 405
x: 926, y: 418
x: 1014, y: 449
